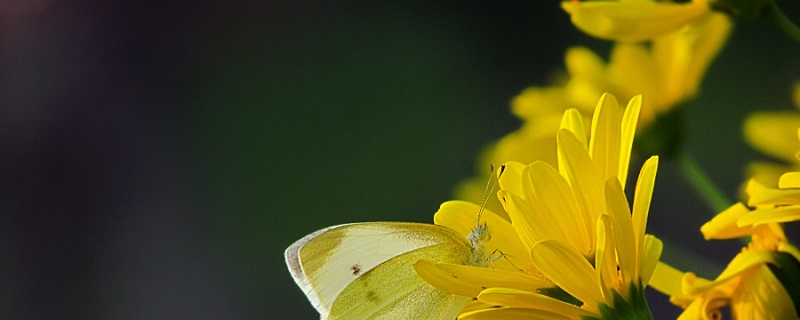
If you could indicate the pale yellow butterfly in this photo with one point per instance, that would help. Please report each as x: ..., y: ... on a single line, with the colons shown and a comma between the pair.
x: 365, y: 270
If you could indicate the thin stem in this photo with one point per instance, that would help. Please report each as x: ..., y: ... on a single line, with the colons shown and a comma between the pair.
x: 702, y: 183
x: 782, y: 21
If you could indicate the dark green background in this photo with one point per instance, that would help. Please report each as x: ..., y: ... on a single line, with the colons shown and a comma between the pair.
x: 158, y: 158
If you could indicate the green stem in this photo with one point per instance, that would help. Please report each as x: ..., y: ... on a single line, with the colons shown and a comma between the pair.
x: 702, y: 183
x: 783, y: 22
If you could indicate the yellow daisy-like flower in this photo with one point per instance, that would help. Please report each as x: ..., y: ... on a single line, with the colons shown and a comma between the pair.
x: 773, y: 133
x: 753, y: 282
x: 761, y: 282
x: 668, y: 72
x: 633, y: 21
x: 773, y: 205
x: 577, y: 250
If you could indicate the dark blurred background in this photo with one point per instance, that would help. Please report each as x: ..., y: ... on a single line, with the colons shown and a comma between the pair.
x: 157, y: 158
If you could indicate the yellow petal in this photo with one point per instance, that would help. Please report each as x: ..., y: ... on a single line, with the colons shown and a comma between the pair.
x: 790, y: 249
x: 762, y: 296
x: 522, y: 299
x: 604, y: 145
x: 789, y: 180
x: 523, y: 218
x: 535, y: 132
x: 632, y: 69
x: 724, y: 225
x: 773, y: 215
x: 511, y: 314
x: 775, y: 197
x: 582, y: 62
x: 474, y: 305
x: 766, y: 173
x: 629, y: 119
x: 582, y: 175
x: 605, y: 256
x: 442, y: 279
x: 461, y: 216
x: 535, y: 102
x: 773, y: 133
x: 587, y: 78
x: 650, y: 256
x: 632, y: 21
x: 569, y: 270
x: 742, y: 262
x: 469, y: 281
x: 685, y: 55
x: 511, y: 178
x: 691, y: 281
x: 642, y: 198
x: 555, y: 201
x: 667, y: 280
x: 572, y: 122
x: 706, y: 307
x: 617, y: 207
x: 513, y: 147
x: 582, y: 94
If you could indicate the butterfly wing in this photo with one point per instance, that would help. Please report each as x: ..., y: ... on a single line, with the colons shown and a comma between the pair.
x: 393, y: 290
x: 365, y: 270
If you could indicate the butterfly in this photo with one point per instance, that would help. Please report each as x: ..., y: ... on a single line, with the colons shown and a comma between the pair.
x: 366, y: 270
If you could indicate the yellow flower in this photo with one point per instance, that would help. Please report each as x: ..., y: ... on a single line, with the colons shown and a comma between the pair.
x: 755, y: 283
x: 773, y: 205
x: 632, y: 21
x: 774, y: 134
x: 748, y: 284
x: 577, y: 250
x: 668, y: 72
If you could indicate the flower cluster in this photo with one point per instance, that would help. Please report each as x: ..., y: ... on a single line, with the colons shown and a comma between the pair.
x: 773, y: 133
x: 562, y: 239
x: 667, y: 70
x: 762, y: 281
x: 574, y: 247
x: 567, y: 242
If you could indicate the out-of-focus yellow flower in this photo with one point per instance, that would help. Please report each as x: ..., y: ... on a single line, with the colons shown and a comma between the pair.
x: 668, y: 72
x: 773, y: 204
x: 578, y: 250
x: 773, y: 133
x: 633, y: 21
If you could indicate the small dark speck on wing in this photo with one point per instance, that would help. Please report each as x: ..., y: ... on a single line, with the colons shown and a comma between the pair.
x: 355, y: 270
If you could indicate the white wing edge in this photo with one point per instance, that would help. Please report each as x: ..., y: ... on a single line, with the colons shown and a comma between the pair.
x: 296, y: 269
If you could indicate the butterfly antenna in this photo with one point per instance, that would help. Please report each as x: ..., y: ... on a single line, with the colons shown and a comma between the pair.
x: 490, y: 185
